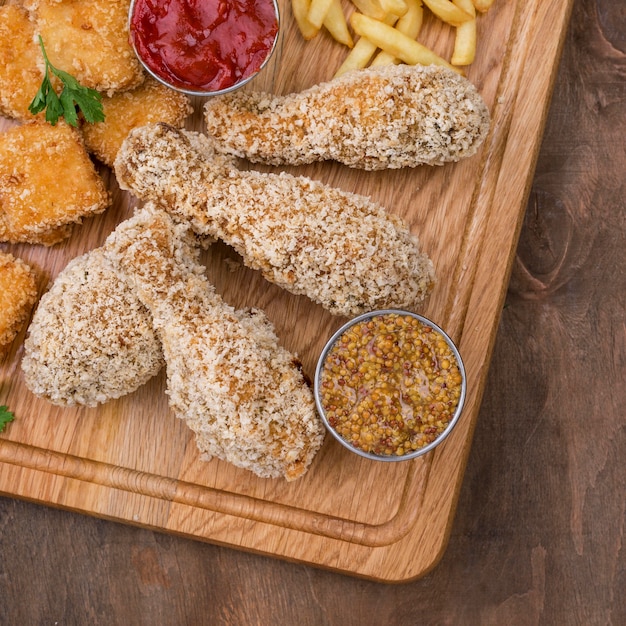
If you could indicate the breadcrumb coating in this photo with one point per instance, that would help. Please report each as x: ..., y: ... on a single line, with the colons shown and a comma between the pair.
x: 20, y: 74
x: 380, y: 117
x: 47, y: 183
x: 90, y: 340
x: 342, y: 250
x: 150, y: 102
x: 89, y: 40
x: 242, y: 394
x: 18, y: 293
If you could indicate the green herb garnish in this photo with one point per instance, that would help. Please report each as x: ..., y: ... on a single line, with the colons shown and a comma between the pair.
x: 73, y: 96
x: 5, y: 417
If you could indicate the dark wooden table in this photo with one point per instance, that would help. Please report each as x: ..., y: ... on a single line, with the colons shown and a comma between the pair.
x: 539, y: 533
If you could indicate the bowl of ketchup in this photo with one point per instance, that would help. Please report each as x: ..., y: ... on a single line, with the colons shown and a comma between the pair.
x: 203, y: 47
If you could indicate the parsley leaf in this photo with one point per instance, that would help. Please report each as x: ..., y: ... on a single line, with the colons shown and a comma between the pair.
x: 5, y: 417
x: 73, y: 96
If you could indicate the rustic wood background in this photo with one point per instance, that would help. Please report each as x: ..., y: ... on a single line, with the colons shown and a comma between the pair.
x: 538, y: 534
x: 130, y: 461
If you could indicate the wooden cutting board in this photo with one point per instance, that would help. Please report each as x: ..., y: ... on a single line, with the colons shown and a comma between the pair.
x: 132, y: 461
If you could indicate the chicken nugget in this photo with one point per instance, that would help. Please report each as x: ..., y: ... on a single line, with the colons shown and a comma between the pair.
x: 20, y: 72
x: 90, y: 41
x: 18, y: 293
x: 150, y: 102
x: 47, y: 182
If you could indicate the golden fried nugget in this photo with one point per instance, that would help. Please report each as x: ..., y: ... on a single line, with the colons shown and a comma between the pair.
x: 47, y: 182
x: 150, y: 102
x: 90, y: 41
x: 20, y: 70
x: 18, y: 292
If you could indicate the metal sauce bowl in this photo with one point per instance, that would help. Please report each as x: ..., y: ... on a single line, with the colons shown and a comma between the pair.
x: 380, y: 457
x: 202, y: 92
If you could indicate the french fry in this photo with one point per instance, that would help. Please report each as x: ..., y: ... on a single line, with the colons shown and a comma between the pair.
x: 448, y: 12
x: 396, y: 7
x: 482, y: 5
x: 335, y: 23
x: 358, y: 57
x: 465, y: 37
x: 380, y: 43
x: 372, y: 8
x: 300, y: 9
x: 409, y: 24
x: 364, y: 49
x: 389, y: 39
x: 317, y: 12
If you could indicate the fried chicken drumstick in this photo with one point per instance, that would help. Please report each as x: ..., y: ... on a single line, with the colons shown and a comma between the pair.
x: 341, y: 250
x: 242, y: 394
x: 91, y: 340
x: 385, y: 117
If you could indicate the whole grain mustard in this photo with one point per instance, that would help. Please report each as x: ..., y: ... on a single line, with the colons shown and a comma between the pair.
x: 390, y: 384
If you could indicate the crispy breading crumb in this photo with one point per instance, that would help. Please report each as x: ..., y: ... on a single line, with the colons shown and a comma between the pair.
x: 382, y: 117
x: 18, y: 293
x: 241, y: 393
x: 20, y: 58
x: 90, y: 41
x: 91, y: 340
x: 47, y: 183
x: 342, y: 250
x: 150, y: 102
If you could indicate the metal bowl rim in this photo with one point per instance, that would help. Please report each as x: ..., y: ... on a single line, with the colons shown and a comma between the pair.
x: 200, y: 92
x: 389, y: 458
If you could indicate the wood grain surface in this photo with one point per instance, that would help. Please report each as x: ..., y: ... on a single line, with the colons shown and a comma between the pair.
x: 129, y: 460
x: 538, y: 532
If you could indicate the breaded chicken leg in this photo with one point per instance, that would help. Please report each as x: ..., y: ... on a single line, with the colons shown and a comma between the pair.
x: 341, y: 250
x: 242, y: 394
x: 381, y: 117
x: 91, y: 340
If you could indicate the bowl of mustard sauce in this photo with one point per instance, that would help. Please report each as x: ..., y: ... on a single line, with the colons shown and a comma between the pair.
x: 390, y: 385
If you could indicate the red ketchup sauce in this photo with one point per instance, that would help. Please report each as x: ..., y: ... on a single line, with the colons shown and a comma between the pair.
x: 203, y: 45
